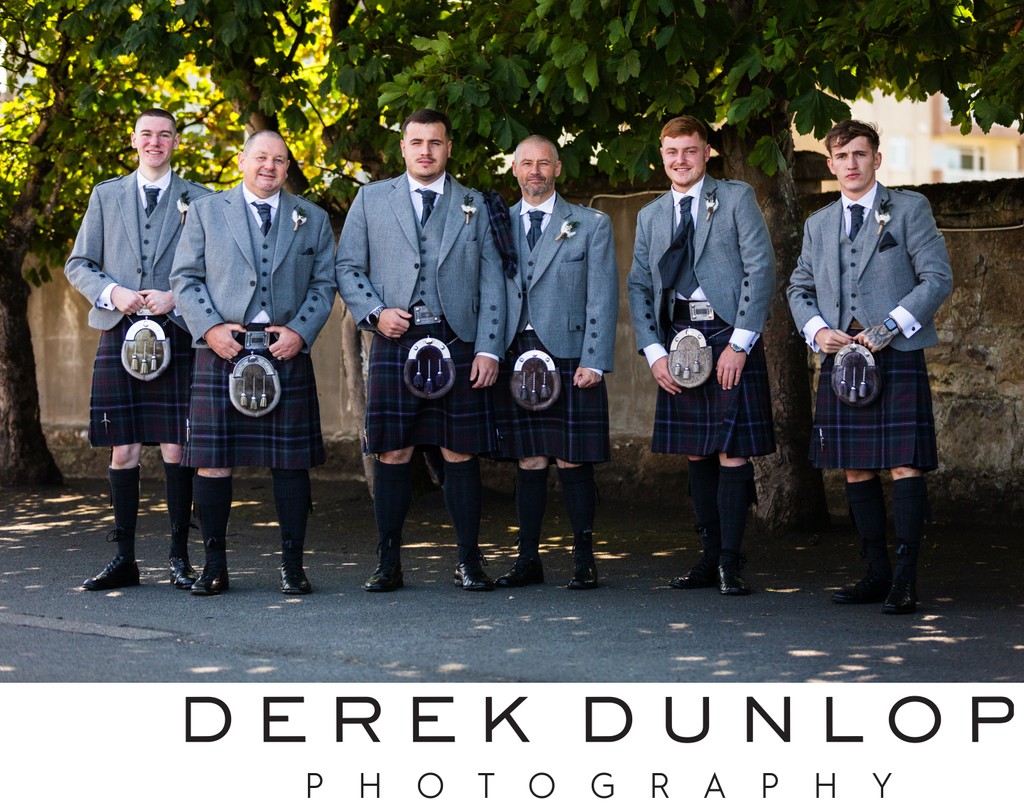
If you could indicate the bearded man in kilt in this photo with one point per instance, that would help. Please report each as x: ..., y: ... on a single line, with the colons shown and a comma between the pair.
x: 255, y: 261
x: 562, y: 300
x: 416, y: 261
x: 121, y: 263
x: 703, y: 261
x: 873, y: 271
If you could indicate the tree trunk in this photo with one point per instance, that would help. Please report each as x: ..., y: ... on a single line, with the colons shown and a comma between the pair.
x: 791, y: 493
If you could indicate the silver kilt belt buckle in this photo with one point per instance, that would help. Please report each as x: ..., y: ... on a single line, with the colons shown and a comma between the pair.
x: 254, y: 386
x: 146, y: 351
x: 690, y: 358
x: 429, y: 370
x: 535, y: 383
x: 856, y: 379
x: 700, y: 310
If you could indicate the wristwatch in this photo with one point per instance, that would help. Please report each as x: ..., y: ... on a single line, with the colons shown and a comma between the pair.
x: 737, y: 347
x: 891, y: 324
x: 374, y: 315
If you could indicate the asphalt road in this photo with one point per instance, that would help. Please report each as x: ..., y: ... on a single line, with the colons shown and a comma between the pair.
x: 969, y: 626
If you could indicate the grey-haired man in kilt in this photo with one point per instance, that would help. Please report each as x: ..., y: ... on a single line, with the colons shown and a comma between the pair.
x: 255, y: 259
x: 874, y: 270
x: 562, y: 300
x: 703, y: 260
x: 416, y: 259
x: 121, y: 263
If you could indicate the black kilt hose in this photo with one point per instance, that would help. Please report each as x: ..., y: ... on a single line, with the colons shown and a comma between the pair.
x: 574, y: 428
x: 896, y: 429
x: 706, y: 420
x: 460, y: 421
x: 124, y: 410
x: 288, y: 437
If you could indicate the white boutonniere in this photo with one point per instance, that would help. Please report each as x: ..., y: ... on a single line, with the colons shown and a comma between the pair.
x: 710, y: 204
x: 183, y: 206
x: 299, y: 217
x: 568, y: 229
x: 468, y: 207
x: 882, y: 215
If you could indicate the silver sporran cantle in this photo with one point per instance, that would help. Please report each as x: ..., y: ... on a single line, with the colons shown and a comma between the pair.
x: 856, y: 379
x: 535, y: 383
x: 429, y: 370
x: 690, y: 358
x: 254, y: 386
x: 146, y: 351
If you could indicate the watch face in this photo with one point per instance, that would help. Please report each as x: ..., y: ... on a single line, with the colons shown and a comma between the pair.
x: 891, y: 324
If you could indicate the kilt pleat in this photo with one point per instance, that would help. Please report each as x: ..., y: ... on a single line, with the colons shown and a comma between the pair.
x: 896, y: 429
x: 461, y: 421
x: 124, y: 410
x: 574, y: 428
x: 705, y: 420
x: 288, y: 437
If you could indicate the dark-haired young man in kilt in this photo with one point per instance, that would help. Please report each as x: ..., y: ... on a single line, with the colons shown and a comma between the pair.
x: 255, y: 259
x: 121, y: 263
x: 563, y: 300
x: 874, y: 270
x: 416, y: 259
x: 703, y: 260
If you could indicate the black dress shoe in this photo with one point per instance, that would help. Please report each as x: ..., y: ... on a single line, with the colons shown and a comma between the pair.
x: 902, y: 598
x: 867, y: 590
x: 704, y: 574
x: 213, y: 581
x: 120, y: 572
x: 386, y: 578
x: 294, y: 580
x: 471, y: 577
x: 730, y: 583
x: 182, y: 573
x: 524, y: 572
x: 584, y: 575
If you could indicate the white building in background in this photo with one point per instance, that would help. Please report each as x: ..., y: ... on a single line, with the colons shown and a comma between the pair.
x: 919, y: 146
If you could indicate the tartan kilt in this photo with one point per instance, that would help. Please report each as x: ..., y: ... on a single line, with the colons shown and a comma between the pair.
x: 124, y: 410
x: 574, y: 428
x: 896, y: 429
x: 288, y: 437
x: 460, y: 421
x: 705, y: 420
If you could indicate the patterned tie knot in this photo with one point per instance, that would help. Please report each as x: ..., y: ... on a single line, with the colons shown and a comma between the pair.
x: 263, y: 209
x: 428, y: 203
x: 152, y: 193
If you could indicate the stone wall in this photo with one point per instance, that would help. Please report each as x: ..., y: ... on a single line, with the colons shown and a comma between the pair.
x: 977, y: 370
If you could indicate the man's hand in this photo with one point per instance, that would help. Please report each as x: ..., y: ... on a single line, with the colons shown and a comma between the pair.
x: 158, y: 302
x: 585, y: 377
x: 126, y: 301
x: 831, y: 340
x: 484, y: 372
x: 222, y: 341
x: 876, y: 337
x: 393, y: 322
x: 288, y: 343
x: 664, y: 379
x: 730, y: 367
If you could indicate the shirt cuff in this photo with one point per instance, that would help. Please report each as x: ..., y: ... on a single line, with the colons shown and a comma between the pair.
x: 745, y: 339
x: 814, y: 325
x: 654, y: 352
x: 488, y: 355
x: 906, y: 321
x: 103, y: 301
x: 598, y: 371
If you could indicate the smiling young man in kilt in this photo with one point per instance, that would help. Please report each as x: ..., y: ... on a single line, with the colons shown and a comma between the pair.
x: 563, y: 300
x: 874, y: 270
x: 703, y: 260
x: 255, y: 259
x: 121, y: 263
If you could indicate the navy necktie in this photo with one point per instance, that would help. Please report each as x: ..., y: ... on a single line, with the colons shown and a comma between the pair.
x: 856, y: 220
x: 428, y: 204
x: 152, y: 193
x: 676, y: 264
x: 536, y: 220
x: 263, y: 209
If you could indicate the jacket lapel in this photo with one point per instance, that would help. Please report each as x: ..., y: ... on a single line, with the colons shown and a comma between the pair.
x: 285, y: 227
x: 871, y: 223
x: 549, y: 244
x: 700, y: 236
x: 661, y: 234
x: 401, y: 205
x: 128, y: 205
x: 170, y: 216
x: 234, y: 212
x: 832, y: 226
x: 456, y: 218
